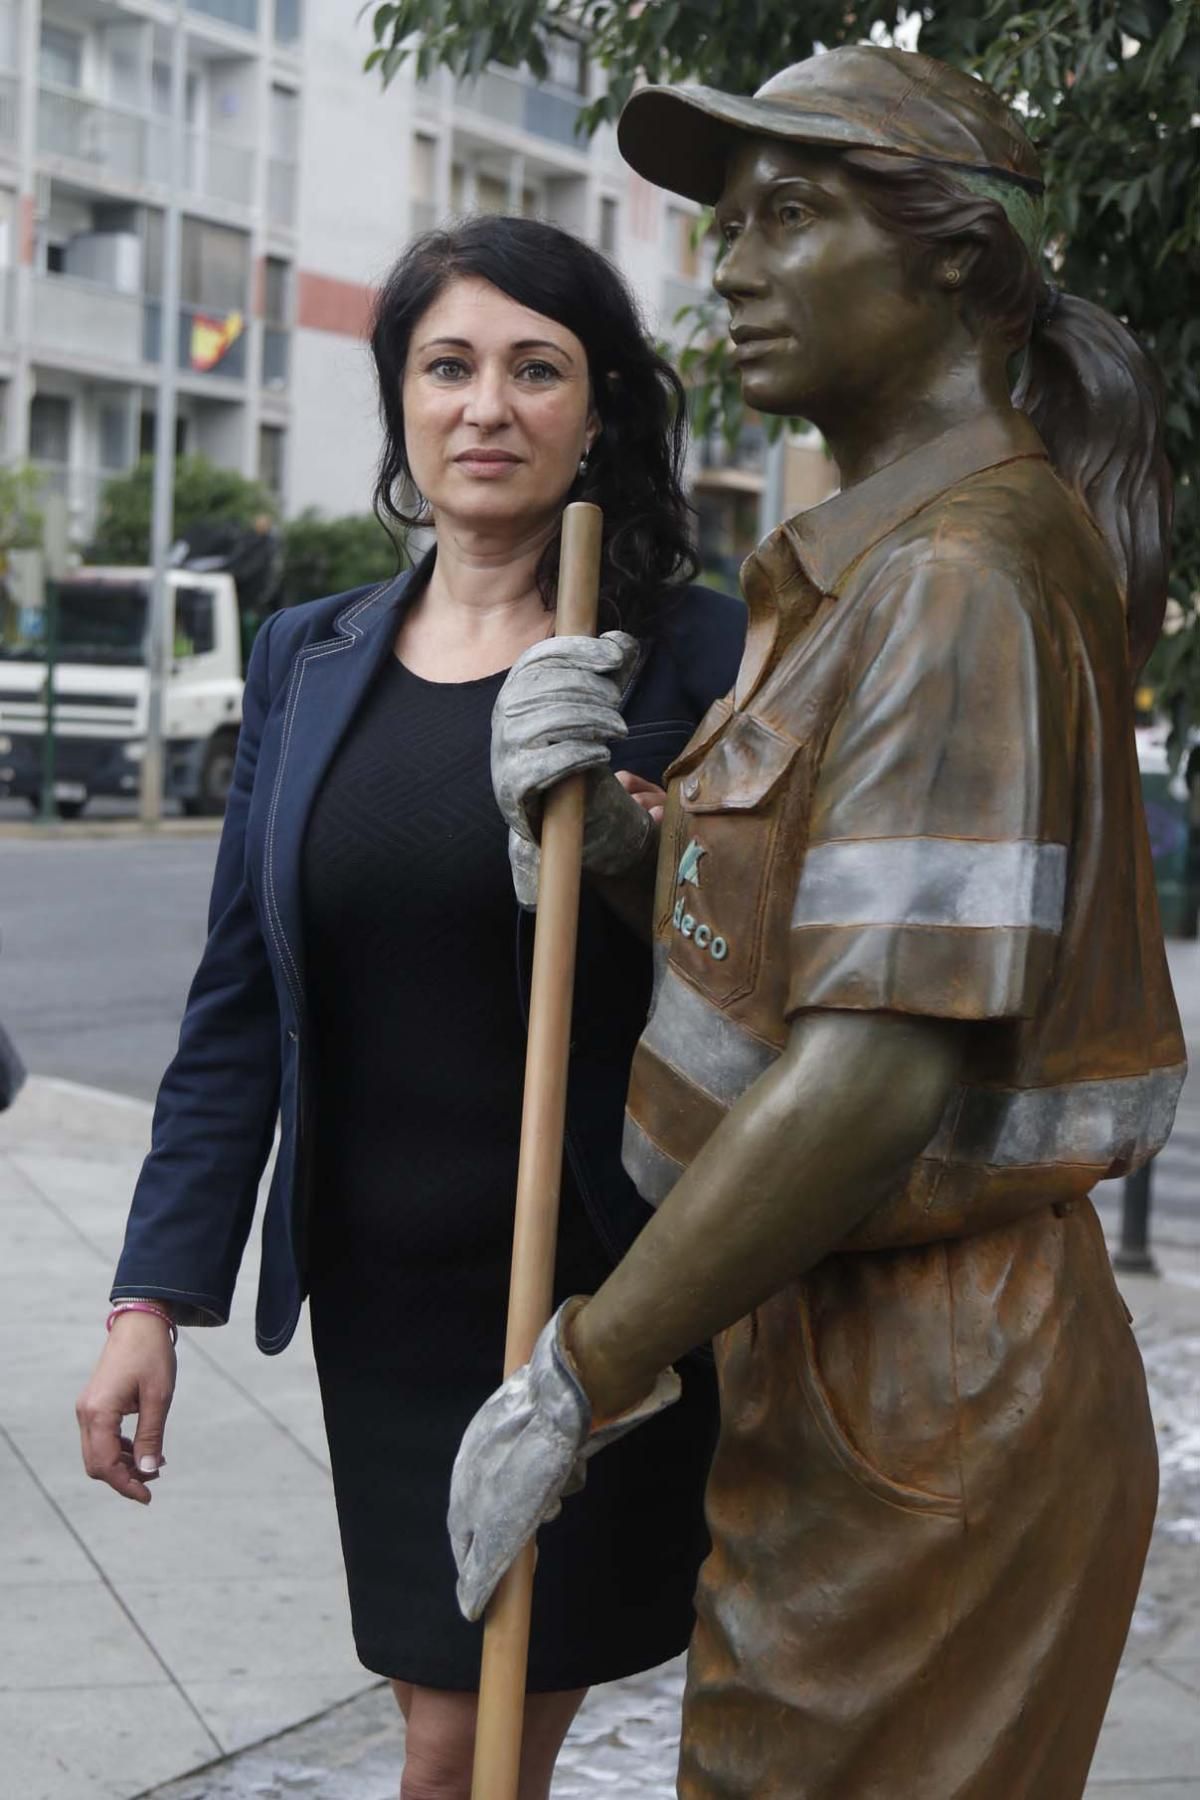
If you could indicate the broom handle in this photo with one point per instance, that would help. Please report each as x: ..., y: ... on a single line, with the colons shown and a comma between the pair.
x: 535, y: 1229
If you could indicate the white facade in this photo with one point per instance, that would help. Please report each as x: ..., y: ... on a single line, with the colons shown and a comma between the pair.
x: 303, y: 181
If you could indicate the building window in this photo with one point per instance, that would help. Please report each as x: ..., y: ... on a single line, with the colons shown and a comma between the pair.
x: 276, y: 337
x: 214, y: 266
x: 276, y: 291
x: 50, y: 428
x: 60, y: 56
x: 270, y: 459
x: 146, y: 435
x: 287, y: 21
x: 284, y: 123
x: 112, y: 430
x: 682, y: 248
x: 567, y: 57
x: 160, y: 92
x: 230, y: 12
x: 608, y: 226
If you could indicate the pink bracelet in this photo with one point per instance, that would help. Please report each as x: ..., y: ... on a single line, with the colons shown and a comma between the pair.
x: 143, y: 1306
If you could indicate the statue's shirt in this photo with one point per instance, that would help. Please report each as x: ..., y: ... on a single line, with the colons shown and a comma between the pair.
x: 923, y: 797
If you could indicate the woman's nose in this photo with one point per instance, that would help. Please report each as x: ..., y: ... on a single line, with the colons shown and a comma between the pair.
x: 488, y: 403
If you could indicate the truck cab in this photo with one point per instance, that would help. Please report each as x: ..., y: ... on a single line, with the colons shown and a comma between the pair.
x: 101, y: 688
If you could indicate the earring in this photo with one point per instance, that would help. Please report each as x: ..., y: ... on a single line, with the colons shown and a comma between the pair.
x: 583, y: 463
x: 953, y: 277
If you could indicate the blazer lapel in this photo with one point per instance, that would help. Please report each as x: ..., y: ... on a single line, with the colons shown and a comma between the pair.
x: 326, y: 686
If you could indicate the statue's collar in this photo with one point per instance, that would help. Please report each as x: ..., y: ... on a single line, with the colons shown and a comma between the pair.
x: 810, y: 555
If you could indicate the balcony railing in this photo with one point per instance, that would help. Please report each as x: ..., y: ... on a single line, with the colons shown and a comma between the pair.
x: 231, y: 366
x: 129, y: 146
x: 514, y: 98
x: 83, y: 318
x: 8, y: 320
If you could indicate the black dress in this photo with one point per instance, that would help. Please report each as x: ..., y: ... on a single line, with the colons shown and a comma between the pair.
x: 410, y: 929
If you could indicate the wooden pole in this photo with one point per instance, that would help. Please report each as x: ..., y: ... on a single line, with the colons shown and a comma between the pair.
x: 530, y: 1297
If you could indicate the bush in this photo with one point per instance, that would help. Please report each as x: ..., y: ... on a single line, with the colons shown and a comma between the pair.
x: 327, y: 556
x: 204, y: 495
x: 20, y: 509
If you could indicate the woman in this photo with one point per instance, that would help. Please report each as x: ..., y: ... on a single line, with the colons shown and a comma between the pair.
x: 913, y: 999
x: 367, y: 971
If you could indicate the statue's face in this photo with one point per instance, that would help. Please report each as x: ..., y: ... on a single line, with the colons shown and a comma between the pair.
x: 823, y: 309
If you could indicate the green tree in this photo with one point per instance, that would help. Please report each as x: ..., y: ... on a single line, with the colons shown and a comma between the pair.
x: 20, y: 508
x: 1109, y: 91
x: 204, y: 494
x: 327, y: 556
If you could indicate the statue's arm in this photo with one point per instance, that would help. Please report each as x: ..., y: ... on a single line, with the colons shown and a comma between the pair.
x: 797, y: 1163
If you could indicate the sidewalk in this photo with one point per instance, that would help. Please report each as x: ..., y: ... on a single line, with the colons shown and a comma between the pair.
x: 178, y: 1651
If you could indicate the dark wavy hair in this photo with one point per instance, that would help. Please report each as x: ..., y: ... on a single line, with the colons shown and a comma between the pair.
x: 634, y: 470
x: 1091, y: 390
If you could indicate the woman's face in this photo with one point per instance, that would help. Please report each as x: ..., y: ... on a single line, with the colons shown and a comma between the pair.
x: 497, y: 409
x: 824, y: 313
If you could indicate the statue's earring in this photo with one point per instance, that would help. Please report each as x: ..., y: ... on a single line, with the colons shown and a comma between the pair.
x: 953, y: 277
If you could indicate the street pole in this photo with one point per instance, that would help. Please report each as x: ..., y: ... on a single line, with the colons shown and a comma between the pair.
x: 48, y: 810
x: 162, y: 514
x: 52, y: 561
x: 1133, y: 1256
x: 771, y: 502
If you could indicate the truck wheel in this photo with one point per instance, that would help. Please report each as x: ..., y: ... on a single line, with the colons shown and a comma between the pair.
x: 216, y: 778
x: 66, y: 809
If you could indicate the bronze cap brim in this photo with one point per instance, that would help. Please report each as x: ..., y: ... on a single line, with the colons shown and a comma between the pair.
x: 681, y: 138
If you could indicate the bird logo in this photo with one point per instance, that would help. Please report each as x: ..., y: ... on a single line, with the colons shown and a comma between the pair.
x: 689, y: 864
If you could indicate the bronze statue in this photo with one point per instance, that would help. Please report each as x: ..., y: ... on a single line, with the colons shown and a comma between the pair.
x: 912, y: 1002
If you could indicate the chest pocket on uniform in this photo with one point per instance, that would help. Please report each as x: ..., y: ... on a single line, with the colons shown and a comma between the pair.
x: 731, y: 804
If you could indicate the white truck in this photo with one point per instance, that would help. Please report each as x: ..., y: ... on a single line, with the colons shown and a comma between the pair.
x: 101, y: 688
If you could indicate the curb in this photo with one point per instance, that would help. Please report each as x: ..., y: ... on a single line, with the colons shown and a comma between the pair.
x: 110, y: 828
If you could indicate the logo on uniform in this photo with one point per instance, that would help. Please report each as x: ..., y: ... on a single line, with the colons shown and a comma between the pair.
x: 688, y: 926
x: 689, y: 863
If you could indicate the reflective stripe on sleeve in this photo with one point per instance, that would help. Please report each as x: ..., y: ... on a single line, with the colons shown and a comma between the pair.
x: 705, y: 1045
x: 652, y: 1172
x: 1095, y: 1123
x: 933, y: 881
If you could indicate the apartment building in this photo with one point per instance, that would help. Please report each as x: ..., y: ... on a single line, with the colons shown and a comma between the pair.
x: 301, y: 183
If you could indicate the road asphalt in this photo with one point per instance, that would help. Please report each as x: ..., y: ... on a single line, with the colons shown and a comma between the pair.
x: 200, y: 1649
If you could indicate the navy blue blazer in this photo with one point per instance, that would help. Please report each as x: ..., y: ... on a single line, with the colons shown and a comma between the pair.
x: 244, y: 1060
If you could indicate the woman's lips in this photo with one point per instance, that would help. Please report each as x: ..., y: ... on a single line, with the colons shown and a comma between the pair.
x: 488, y: 464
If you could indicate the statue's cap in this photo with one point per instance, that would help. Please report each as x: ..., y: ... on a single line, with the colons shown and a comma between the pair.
x: 860, y: 97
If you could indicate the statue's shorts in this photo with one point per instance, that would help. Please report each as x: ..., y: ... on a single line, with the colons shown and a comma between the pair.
x: 930, y: 1507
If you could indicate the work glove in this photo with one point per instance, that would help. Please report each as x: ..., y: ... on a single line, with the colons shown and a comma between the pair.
x: 525, y: 1448
x: 557, y: 713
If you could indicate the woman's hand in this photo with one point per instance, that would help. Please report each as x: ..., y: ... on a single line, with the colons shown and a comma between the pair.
x: 135, y: 1375
x: 649, y: 796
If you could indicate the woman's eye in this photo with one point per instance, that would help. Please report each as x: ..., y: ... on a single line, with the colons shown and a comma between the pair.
x: 538, y: 372
x: 447, y: 368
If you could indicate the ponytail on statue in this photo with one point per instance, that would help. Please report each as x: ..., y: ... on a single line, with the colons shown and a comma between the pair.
x: 1088, y: 386
x: 1096, y: 400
